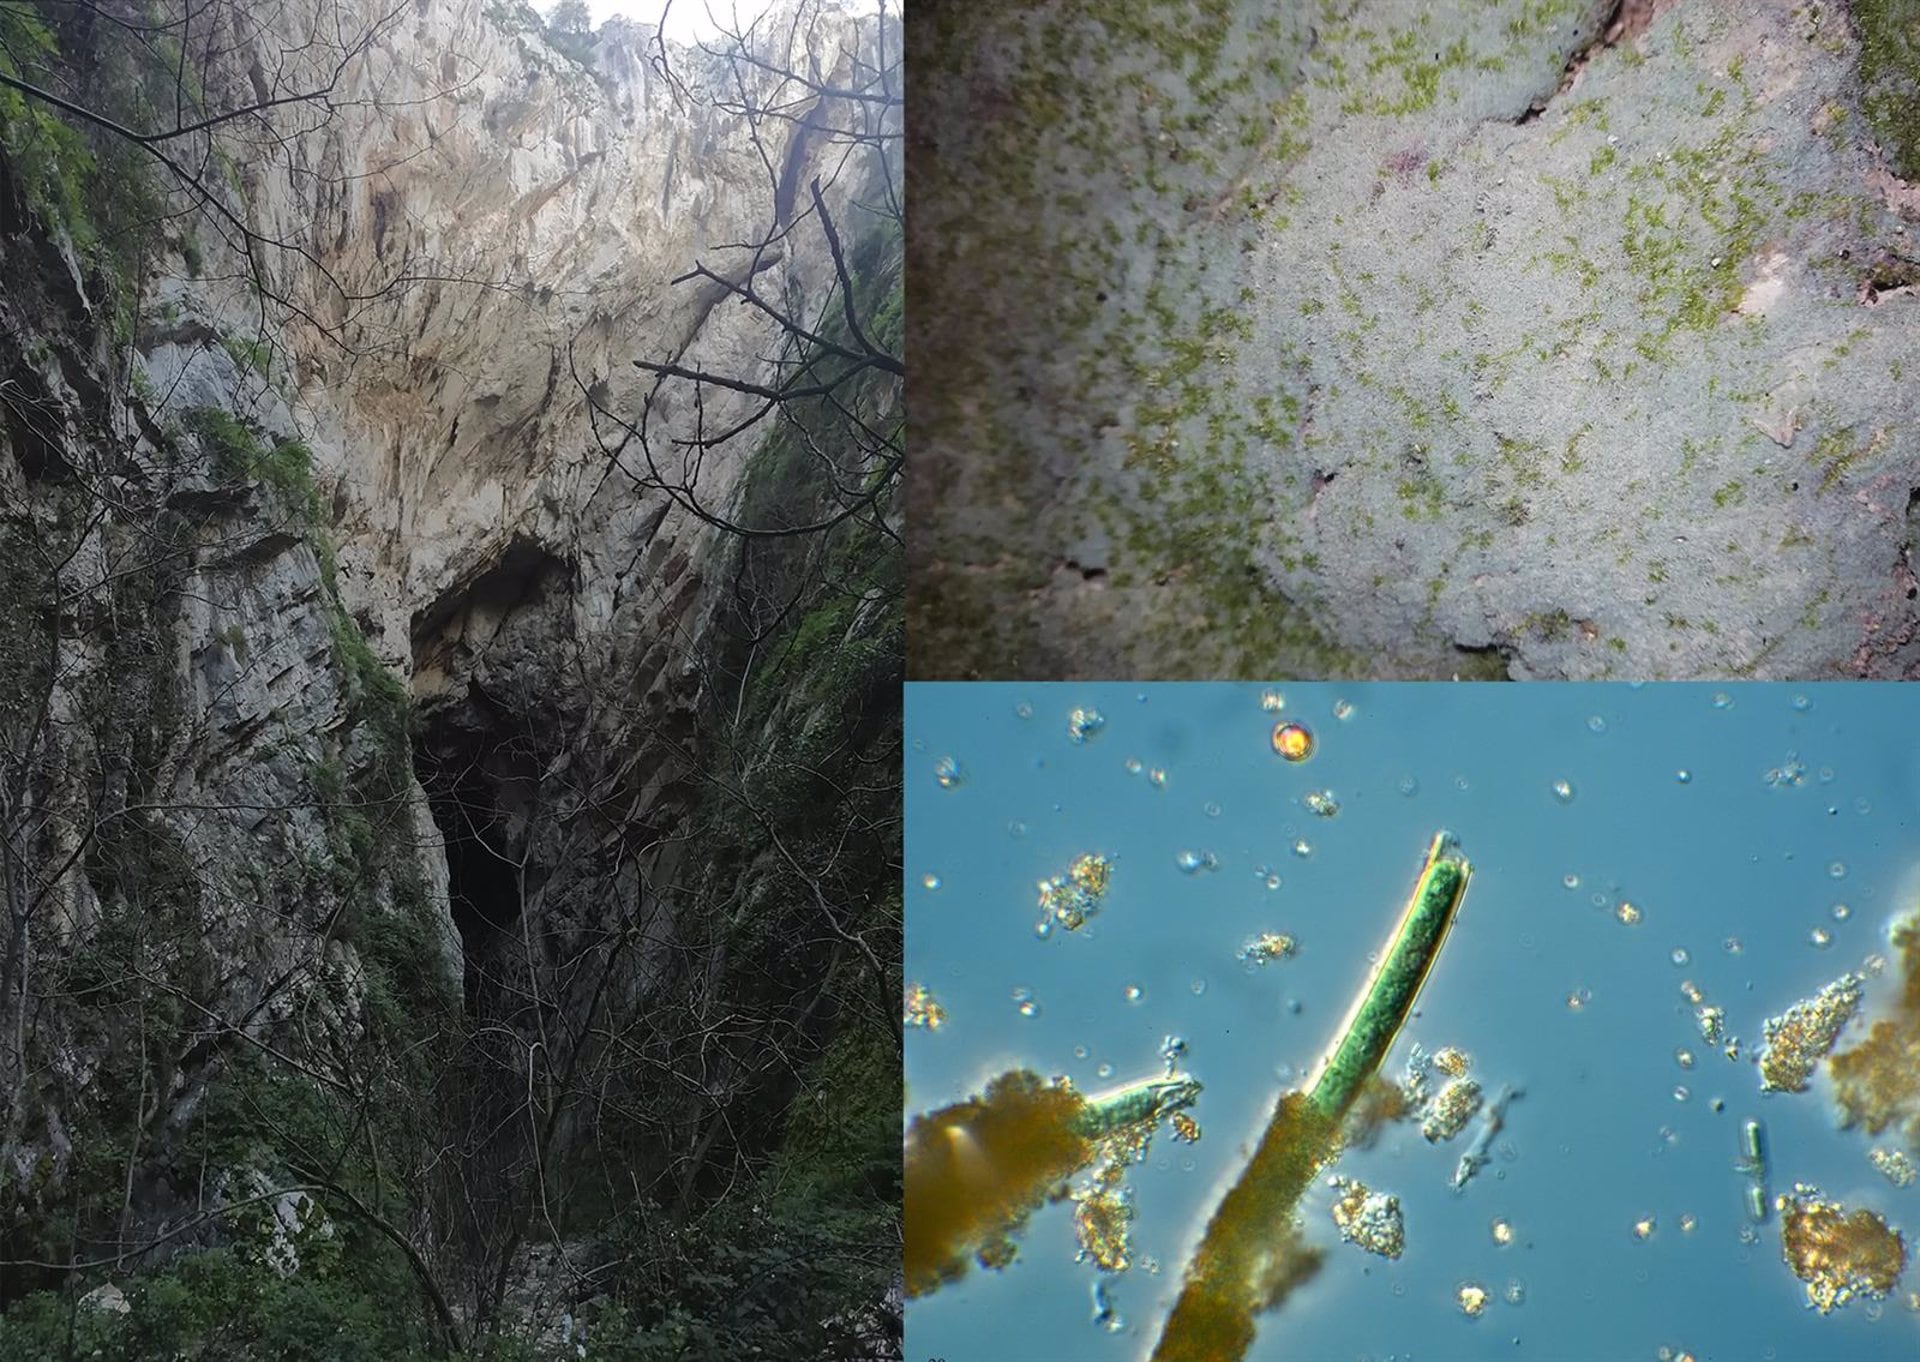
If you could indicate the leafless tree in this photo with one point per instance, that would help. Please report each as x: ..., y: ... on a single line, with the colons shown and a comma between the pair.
x: 176, y: 97
x: 843, y: 110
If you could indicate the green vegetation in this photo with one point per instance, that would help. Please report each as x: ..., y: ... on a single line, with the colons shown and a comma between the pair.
x: 251, y: 354
x: 787, y: 1259
x: 51, y: 160
x: 228, y: 1305
x: 84, y: 184
x: 1837, y: 452
x: 286, y: 465
x: 1889, y: 33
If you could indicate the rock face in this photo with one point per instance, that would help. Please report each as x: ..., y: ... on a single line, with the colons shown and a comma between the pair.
x: 1545, y: 340
x: 358, y: 671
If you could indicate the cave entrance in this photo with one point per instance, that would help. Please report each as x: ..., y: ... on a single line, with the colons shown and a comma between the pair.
x: 478, y: 783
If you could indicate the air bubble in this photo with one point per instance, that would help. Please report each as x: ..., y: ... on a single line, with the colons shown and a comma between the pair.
x: 1841, y: 912
x: 1680, y: 956
x: 1837, y: 871
x: 1570, y: 880
x: 1683, y: 776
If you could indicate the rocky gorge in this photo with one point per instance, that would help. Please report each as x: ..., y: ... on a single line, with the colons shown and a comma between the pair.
x: 450, y: 633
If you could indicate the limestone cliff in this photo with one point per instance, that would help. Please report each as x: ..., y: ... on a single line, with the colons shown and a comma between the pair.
x: 438, y: 762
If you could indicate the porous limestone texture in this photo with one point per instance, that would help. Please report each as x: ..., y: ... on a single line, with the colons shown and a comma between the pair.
x: 1540, y: 338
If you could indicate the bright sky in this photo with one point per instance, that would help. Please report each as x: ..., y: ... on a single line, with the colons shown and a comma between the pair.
x: 686, y: 20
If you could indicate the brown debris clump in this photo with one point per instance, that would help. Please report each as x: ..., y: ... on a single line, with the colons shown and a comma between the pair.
x: 1877, y: 1082
x: 976, y: 1170
x: 1368, y: 1219
x: 1838, y: 1256
x: 1103, y: 1219
x: 1453, y: 1106
x: 1801, y: 1038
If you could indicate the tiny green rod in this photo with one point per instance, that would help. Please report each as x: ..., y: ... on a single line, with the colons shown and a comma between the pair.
x: 1383, y: 1004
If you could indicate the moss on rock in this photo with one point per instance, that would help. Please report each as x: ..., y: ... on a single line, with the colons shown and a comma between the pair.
x: 1890, y: 77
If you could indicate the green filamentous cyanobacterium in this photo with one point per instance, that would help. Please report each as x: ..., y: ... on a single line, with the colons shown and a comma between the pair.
x: 1251, y: 1256
x: 1362, y: 1043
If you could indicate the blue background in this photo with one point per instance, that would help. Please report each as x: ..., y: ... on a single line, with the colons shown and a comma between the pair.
x: 1598, y: 1140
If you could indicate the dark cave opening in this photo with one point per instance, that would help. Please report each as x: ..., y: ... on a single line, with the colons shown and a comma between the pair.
x: 483, y: 892
x: 474, y: 782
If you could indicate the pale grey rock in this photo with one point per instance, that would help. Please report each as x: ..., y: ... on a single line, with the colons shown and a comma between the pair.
x: 107, y: 1298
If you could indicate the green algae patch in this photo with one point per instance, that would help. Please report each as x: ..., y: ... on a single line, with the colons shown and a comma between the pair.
x: 1890, y: 78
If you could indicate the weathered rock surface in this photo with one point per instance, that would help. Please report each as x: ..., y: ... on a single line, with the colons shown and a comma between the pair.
x: 1543, y: 339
